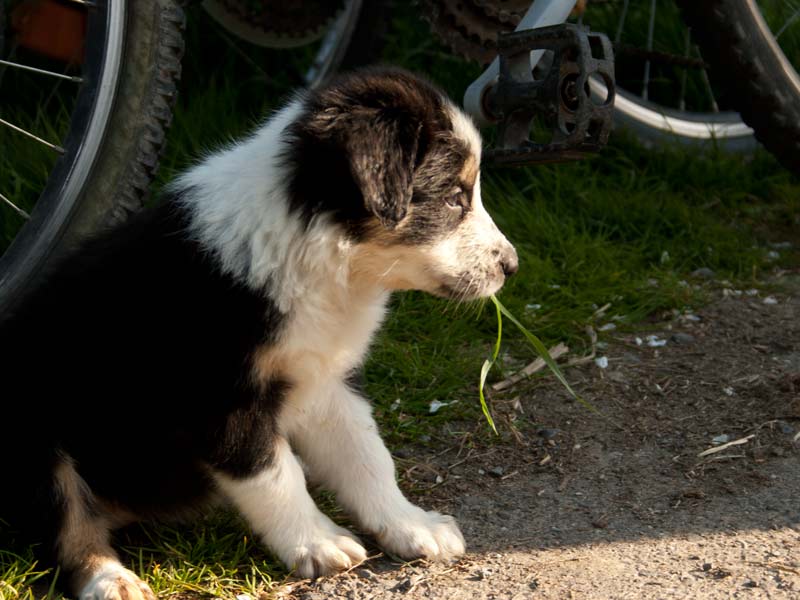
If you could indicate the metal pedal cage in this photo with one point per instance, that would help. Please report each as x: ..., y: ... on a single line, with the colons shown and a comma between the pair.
x: 580, y: 124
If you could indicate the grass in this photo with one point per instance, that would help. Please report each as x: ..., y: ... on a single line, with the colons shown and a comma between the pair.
x: 26, y: 164
x: 626, y: 227
x: 617, y: 229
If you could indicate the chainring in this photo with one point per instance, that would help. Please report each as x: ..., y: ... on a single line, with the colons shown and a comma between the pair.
x: 275, y: 23
x: 470, y: 27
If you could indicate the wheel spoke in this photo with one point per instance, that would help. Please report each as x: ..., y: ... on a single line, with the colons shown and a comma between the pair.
x: 621, y: 23
x: 650, y: 30
x: 16, y: 208
x: 707, y: 85
x: 788, y: 23
x: 687, y: 48
x: 41, y: 71
x: 55, y: 147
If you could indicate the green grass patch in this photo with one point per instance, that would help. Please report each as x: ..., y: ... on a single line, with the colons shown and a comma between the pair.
x: 19, y: 573
x: 213, y: 557
x: 626, y: 228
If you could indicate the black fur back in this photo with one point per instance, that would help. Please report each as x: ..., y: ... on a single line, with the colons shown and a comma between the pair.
x: 141, y: 328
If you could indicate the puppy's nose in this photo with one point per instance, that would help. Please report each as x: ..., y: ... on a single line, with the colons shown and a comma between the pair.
x: 509, y: 262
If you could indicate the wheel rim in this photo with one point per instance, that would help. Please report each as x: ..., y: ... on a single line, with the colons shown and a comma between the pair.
x: 632, y: 110
x: 334, y: 45
x: 654, y: 120
x: 724, y: 126
x: 792, y: 21
x: 332, y: 48
x: 51, y: 214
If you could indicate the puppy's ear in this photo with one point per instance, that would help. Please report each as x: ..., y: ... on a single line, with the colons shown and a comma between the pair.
x: 383, y: 154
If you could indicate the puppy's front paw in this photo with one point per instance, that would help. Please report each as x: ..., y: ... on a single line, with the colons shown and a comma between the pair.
x: 327, y: 549
x: 114, y: 582
x: 423, y: 534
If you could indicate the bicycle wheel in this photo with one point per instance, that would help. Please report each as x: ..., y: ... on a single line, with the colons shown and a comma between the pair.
x: 666, y: 90
x: 341, y: 34
x: 109, y: 152
x: 759, y: 66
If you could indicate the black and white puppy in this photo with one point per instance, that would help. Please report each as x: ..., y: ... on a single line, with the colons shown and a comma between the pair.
x: 203, y: 349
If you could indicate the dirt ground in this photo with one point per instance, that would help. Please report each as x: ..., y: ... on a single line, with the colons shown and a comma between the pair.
x: 571, y: 505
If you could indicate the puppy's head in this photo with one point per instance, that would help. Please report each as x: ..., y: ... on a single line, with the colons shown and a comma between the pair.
x: 395, y: 162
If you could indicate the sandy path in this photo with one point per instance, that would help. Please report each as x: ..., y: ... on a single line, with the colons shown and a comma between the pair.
x: 573, y: 506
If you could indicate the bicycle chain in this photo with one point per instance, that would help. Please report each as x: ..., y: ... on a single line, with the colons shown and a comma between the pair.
x: 285, y: 19
x: 512, y: 13
x: 465, y: 28
x: 660, y: 57
x: 470, y: 27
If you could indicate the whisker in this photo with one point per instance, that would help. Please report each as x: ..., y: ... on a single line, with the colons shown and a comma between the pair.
x: 392, y: 266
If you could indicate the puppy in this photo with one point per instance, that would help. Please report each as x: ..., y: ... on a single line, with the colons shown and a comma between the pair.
x: 203, y: 349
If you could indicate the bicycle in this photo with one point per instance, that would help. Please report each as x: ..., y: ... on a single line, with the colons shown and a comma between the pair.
x: 99, y: 163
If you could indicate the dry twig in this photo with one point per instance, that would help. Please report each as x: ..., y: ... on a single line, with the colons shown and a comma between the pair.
x: 592, y: 343
x: 738, y: 442
x: 537, y: 365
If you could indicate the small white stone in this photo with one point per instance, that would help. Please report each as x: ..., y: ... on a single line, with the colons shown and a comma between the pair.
x: 436, y: 405
x: 601, y: 361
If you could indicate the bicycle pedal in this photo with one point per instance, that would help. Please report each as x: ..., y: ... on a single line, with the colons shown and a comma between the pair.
x: 576, y: 121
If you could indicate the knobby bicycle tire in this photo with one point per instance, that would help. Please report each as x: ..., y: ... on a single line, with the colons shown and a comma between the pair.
x: 118, y: 173
x: 744, y: 55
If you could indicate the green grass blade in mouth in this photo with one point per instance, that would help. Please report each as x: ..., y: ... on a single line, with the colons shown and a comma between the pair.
x: 499, y: 329
x: 487, y: 364
x: 540, y: 349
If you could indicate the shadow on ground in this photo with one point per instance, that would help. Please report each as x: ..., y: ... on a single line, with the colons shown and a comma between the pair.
x: 571, y: 505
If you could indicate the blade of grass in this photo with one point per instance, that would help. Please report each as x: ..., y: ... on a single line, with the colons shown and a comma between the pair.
x: 540, y: 349
x: 487, y: 364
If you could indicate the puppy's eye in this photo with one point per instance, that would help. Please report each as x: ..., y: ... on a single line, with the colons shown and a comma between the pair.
x: 457, y: 199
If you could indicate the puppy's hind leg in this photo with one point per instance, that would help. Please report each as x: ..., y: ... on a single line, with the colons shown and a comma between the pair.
x: 82, y: 543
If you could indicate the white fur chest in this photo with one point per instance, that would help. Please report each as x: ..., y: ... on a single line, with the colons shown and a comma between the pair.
x: 321, y: 346
x: 327, y: 338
